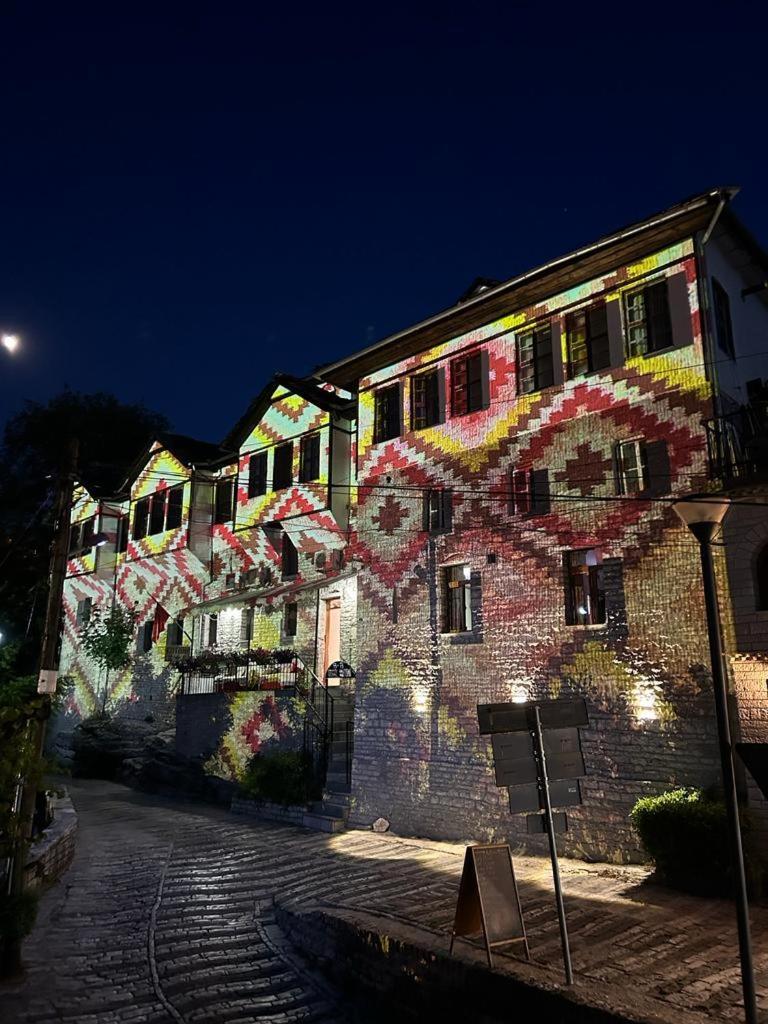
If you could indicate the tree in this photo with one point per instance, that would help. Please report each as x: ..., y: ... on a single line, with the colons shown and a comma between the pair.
x: 112, y: 435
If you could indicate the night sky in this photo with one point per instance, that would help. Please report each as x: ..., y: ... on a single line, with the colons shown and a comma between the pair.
x: 191, y: 202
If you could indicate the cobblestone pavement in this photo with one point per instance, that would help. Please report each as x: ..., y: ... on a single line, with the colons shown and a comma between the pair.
x: 166, y: 914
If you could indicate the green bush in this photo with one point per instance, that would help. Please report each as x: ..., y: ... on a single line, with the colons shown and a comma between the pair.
x: 283, y: 777
x: 685, y: 833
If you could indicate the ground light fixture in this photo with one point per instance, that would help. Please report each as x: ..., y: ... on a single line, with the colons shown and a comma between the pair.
x: 703, y: 514
x: 9, y: 342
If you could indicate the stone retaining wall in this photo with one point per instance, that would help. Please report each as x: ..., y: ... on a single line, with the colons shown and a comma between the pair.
x: 50, y: 857
x: 267, y: 812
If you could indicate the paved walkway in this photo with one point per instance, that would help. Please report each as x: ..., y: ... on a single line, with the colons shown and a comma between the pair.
x: 166, y: 915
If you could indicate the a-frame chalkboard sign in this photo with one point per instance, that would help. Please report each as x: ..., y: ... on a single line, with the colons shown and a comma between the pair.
x: 489, y: 900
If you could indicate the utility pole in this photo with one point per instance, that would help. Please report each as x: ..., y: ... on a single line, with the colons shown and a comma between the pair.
x: 49, y: 658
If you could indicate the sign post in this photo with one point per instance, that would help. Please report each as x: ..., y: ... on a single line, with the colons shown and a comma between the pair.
x: 550, y: 827
x: 537, y: 757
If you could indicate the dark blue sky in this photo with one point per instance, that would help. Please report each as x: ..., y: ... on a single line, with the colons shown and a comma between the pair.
x: 191, y: 201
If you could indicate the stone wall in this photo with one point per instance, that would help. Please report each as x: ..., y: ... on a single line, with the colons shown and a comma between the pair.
x: 227, y: 729
x: 50, y: 856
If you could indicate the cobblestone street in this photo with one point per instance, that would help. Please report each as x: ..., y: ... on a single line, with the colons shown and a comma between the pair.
x: 167, y: 914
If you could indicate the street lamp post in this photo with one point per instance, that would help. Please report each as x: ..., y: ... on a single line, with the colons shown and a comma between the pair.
x: 703, y: 515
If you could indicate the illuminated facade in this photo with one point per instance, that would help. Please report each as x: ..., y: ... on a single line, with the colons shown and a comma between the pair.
x: 491, y: 516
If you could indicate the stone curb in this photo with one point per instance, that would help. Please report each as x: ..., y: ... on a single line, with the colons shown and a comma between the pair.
x: 51, y: 855
x: 412, y: 973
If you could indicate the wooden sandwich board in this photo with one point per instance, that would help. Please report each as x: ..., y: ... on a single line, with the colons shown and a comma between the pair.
x: 489, y: 900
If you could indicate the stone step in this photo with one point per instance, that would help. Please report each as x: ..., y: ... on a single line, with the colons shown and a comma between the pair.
x: 323, y: 822
x: 331, y: 808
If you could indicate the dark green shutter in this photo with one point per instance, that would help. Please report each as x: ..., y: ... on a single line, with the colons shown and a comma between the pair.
x: 659, y: 469
x: 679, y: 310
x: 615, y: 332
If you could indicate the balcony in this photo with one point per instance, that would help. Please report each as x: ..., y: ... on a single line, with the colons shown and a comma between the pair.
x: 215, y: 671
x: 737, y: 446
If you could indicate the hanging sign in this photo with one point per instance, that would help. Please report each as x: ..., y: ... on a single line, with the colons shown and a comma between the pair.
x: 339, y: 670
x: 488, y: 899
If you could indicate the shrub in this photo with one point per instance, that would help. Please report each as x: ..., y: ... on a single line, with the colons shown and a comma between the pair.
x: 685, y: 833
x: 284, y: 777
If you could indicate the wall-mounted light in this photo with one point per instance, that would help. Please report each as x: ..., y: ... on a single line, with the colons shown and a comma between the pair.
x: 100, y: 539
x: 10, y: 342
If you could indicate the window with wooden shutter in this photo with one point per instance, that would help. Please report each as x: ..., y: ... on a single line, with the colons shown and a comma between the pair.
x: 290, y: 619
x: 282, y: 475
x: 458, y: 598
x: 529, y: 492
x: 468, y: 384
x: 88, y: 535
x: 438, y: 510
x: 585, y: 592
x: 224, y: 501
x: 146, y: 636
x: 74, y: 538
x: 289, y: 557
x: 257, y: 474
x: 309, y: 460
x: 386, y: 414
x: 587, y: 340
x: 157, y: 512
x: 425, y: 400
x: 140, y: 518
x: 246, y: 627
x: 174, y: 508
x: 722, y: 315
x: 631, y: 467
x: 83, y: 615
x: 520, y: 492
x: 649, y: 326
x: 535, y: 366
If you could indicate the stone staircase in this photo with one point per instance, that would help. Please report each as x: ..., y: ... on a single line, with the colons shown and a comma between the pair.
x: 330, y: 814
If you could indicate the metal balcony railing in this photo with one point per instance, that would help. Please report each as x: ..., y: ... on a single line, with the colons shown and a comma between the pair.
x: 236, y: 671
x: 737, y: 446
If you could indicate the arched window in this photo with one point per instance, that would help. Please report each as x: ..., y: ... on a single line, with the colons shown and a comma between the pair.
x: 761, y: 578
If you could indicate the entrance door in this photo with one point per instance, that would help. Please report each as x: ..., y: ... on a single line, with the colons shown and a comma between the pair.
x: 331, y: 633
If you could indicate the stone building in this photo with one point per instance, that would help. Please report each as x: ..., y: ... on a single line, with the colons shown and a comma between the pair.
x: 475, y: 509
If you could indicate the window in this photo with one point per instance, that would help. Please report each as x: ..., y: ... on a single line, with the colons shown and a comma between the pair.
x: 146, y: 635
x: 309, y: 458
x: 723, y: 323
x: 425, y: 400
x: 283, y: 470
x: 213, y: 630
x: 587, y: 339
x: 290, y: 617
x: 585, y: 596
x: 224, y: 511
x: 140, y: 518
x: 174, y: 636
x: 257, y: 474
x: 468, y: 383
x: 290, y: 557
x: 438, y: 510
x: 157, y: 512
x: 84, y: 611
x: 175, y: 507
x: 458, y: 610
x: 386, y: 417
x: 246, y: 627
x: 761, y: 578
x: 74, y: 538
x: 534, y: 360
x: 649, y: 326
x: 121, y: 539
x: 88, y: 535
x: 529, y: 492
x: 631, y: 467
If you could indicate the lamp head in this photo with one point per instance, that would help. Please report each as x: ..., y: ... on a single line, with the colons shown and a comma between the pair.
x: 702, y: 513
